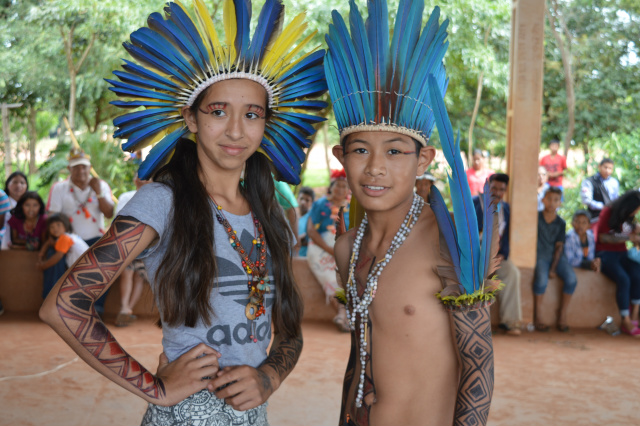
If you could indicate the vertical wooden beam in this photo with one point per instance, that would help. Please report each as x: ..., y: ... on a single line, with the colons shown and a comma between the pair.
x: 524, y: 117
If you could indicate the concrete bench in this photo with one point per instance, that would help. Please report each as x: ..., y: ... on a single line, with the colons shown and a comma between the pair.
x: 594, y: 299
x: 21, y: 288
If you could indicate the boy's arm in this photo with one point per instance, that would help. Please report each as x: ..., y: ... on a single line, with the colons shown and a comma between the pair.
x: 472, y: 334
x: 557, y: 253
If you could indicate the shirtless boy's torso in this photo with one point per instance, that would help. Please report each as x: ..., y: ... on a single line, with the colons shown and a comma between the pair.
x: 412, y: 372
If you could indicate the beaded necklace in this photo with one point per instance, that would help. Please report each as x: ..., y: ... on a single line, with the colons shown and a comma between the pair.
x: 82, y: 205
x: 359, y: 305
x: 258, y: 282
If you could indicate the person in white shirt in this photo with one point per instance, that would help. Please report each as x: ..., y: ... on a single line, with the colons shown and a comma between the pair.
x: 86, y: 200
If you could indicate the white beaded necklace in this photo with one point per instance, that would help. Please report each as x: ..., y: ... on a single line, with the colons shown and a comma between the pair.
x: 361, y: 305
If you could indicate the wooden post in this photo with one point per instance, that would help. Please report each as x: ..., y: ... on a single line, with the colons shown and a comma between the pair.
x: 6, y: 134
x: 524, y: 117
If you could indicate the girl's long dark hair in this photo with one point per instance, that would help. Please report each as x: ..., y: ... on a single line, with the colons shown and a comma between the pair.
x: 622, y: 209
x: 29, y: 195
x: 186, y: 275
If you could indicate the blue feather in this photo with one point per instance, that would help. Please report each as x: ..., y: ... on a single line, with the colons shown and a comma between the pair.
x: 126, y: 118
x: 280, y: 140
x: 270, y: 17
x: 310, y: 90
x: 159, y: 153
x: 299, y: 136
x: 243, y: 20
x: 137, y: 104
x: 155, y: 44
x: 304, y: 104
x: 157, y: 63
x: 377, y: 26
x: 446, y: 226
x: 143, y: 124
x: 183, y: 21
x: 144, y: 72
x: 314, y: 59
x: 143, y: 137
x: 301, y: 120
x: 174, y: 35
x: 463, y: 209
x: 363, y: 50
x: 491, y: 209
x: 280, y: 163
x: 342, y: 81
x: 140, y: 81
x: 339, y: 109
x: 139, y: 93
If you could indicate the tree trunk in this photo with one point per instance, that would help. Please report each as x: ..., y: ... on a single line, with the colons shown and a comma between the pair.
x: 476, y: 107
x: 568, y: 74
x: 73, y: 68
x: 33, y: 139
x: 6, y: 134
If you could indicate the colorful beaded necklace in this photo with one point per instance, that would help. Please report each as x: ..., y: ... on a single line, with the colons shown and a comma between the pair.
x: 360, y: 305
x: 258, y: 282
x: 82, y: 205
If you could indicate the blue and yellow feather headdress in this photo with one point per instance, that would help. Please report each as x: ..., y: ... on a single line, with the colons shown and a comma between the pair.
x: 380, y: 86
x: 180, y: 56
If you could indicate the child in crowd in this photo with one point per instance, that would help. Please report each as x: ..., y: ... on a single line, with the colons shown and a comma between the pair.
x: 64, y: 242
x: 550, y: 258
x: 306, y: 197
x: 580, y: 244
x: 28, y: 222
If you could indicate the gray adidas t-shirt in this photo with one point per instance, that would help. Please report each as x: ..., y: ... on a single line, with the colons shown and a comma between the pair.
x: 230, y: 329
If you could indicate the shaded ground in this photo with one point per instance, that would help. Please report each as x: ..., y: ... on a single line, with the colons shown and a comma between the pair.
x: 582, y: 378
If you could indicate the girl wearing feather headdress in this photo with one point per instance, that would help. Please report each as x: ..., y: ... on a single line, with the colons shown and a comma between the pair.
x: 415, y: 359
x: 222, y: 116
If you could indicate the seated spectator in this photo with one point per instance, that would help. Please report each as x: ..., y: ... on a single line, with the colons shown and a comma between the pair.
x: 67, y: 246
x: 15, y: 186
x: 615, y: 227
x: 28, y: 223
x: 508, y: 273
x: 321, y: 229
x: 134, y: 276
x: 551, y: 260
x: 555, y: 164
x: 580, y: 244
x: 600, y: 189
x: 478, y: 173
x: 423, y: 185
x: 542, y: 186
x: 306, y: 197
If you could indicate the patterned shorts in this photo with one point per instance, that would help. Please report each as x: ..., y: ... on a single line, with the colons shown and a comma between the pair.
x: 137, y: 266
x: 204, y: 409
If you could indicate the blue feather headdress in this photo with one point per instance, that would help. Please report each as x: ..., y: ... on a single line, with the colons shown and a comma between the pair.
x: 177, y: 58
x: 380, y: 86
x: 472, y: 260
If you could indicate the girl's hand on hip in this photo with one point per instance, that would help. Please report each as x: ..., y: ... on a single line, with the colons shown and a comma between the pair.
x: 243, y: 387
x: 188, y: 374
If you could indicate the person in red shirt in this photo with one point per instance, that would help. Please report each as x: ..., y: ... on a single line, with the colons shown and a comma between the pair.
x: 555, y: 164
x: 615, y: 227
x: 477, y: 174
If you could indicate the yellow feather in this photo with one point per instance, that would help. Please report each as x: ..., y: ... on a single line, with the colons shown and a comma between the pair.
x: 291, y: 54
x: 292, y: 64
x: 206, y: 24
x: 284, y: 42
x: 230, y: 29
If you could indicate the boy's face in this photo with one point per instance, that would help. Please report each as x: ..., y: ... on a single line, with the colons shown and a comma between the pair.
x: 497, y: 189
x: 304, y: 202
x: 56, y: 229
x: 381, y: 167
x: 580, y: 224
x: 553, y: 147
x: 551, y: 201
x: 606, y: 170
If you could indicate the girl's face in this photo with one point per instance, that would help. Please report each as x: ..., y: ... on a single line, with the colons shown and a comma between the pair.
x: 229, y: 124
x: 340, y: 190
x: 56, y: 229
x: 17, y: 187
x: 31, y: 208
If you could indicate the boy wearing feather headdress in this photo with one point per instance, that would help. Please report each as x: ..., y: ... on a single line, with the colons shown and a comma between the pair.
x: 412, y: 362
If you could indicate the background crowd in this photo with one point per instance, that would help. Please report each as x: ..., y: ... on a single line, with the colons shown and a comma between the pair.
x: 73, y: 218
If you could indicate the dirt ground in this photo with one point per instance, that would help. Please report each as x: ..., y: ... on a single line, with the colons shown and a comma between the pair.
x: 582, y: 378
